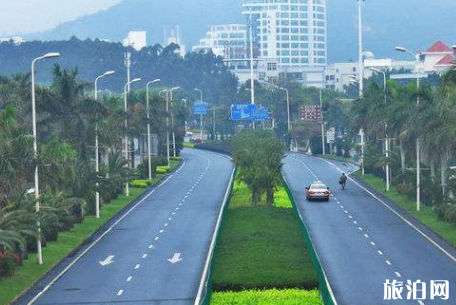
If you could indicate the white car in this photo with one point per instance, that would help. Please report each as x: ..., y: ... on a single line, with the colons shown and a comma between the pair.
x: 318, y: 191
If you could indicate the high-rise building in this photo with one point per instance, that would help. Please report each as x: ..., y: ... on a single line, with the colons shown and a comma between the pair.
x: 290, y: 32
x: 172, y: 34
x: 228, y: 41
x: 136, y: 39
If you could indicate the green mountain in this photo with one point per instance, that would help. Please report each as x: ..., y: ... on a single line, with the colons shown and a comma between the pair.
x: 416, y: 24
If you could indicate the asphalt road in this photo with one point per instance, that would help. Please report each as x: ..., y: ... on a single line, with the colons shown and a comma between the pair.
x: 362, y: 242
x: 157, y: 252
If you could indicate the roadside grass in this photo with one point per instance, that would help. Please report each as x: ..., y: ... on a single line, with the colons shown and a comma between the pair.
x: 427, y: 216
x: 54, y: 252
x: 335, y: 157
x: 189, y: 145
x: 267, y: 297
x: 262, y: 248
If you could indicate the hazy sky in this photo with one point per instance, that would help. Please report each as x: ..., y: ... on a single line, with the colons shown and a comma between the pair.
x: 25, y: 16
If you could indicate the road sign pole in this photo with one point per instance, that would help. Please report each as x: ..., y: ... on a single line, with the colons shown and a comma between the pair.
x: 201, y: 127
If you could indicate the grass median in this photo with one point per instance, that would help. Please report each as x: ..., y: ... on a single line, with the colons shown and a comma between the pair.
x: 54, y: 252
x: 427, y: 215
x: 262, y: 248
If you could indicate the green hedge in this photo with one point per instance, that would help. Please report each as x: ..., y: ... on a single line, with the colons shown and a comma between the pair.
x: 144, y: 183
x: 268, y: 297
x: 261, y: 247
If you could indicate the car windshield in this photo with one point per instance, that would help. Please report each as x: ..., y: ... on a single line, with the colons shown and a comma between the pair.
x: 317, y: 187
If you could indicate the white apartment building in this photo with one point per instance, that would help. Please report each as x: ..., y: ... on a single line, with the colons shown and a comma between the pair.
x: 436, y: 59
x: 136, y: 39
x: 228, y: 41
x: 17, y: 40
x: 291, y: 32
x: 288, y: 38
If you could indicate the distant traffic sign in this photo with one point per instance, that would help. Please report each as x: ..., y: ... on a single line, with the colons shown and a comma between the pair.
x: 331, y: 136
x: 311, y: 113
x: 241, y: 112
x: 200, y: 109
x: 249, y: 112
x: 260, y: 114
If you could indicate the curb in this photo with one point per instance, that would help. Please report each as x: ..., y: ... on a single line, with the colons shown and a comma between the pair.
x: 43, y: 281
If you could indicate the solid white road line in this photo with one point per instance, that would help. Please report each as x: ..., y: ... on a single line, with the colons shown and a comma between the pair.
x: 101, y: 237
x: 397, y: 214
x: 203, y: 283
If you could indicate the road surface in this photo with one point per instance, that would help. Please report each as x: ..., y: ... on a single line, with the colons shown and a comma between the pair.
x: 362, y: 243
x: 157, y: 252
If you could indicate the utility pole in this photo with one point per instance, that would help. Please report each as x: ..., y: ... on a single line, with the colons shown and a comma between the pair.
x: 128, y: 66
x: 417, y: 57
x: 252, y: 81
x: 213, y: 124
x: 322, y: 124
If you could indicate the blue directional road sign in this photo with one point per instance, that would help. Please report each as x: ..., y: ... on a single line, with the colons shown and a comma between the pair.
x: 241, y: 112
x: 200, y: 109
x: 260, y: 114
x: 249, y: 112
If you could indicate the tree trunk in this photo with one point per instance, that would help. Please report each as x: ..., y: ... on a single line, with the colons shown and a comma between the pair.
x: 256, y: 196
x: 432, y: 166
x: 270, y: 196
x: 402, y: 151
x: 444, y: 170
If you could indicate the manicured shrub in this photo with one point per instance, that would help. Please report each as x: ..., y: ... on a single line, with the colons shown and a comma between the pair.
x: 141, y: 183
x: 268, y: 297
x: 163, y: 169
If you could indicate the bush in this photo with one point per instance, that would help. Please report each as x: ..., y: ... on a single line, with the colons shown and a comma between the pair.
x: 141, y: 183
x: 176, y: 158
x: 143, y: 168
x: 7, y: 266
x: 162, y: 170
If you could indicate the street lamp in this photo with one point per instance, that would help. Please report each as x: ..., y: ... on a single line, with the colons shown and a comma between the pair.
x: 35, y: 151
x: 288, y: 102
x: 169, y: 92
x: 97, y: 158
x: 418, y: 144
x: 149, y: 159
x: 172, y: 121
x: 388, y: 184
x: 360, y: 36
x: 126, y: 87
x: 201, y: 115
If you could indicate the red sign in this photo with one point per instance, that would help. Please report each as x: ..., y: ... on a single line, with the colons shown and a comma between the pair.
x: 311, y: 113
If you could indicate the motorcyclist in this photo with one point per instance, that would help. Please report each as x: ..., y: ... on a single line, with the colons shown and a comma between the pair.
x: 343, y: 181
